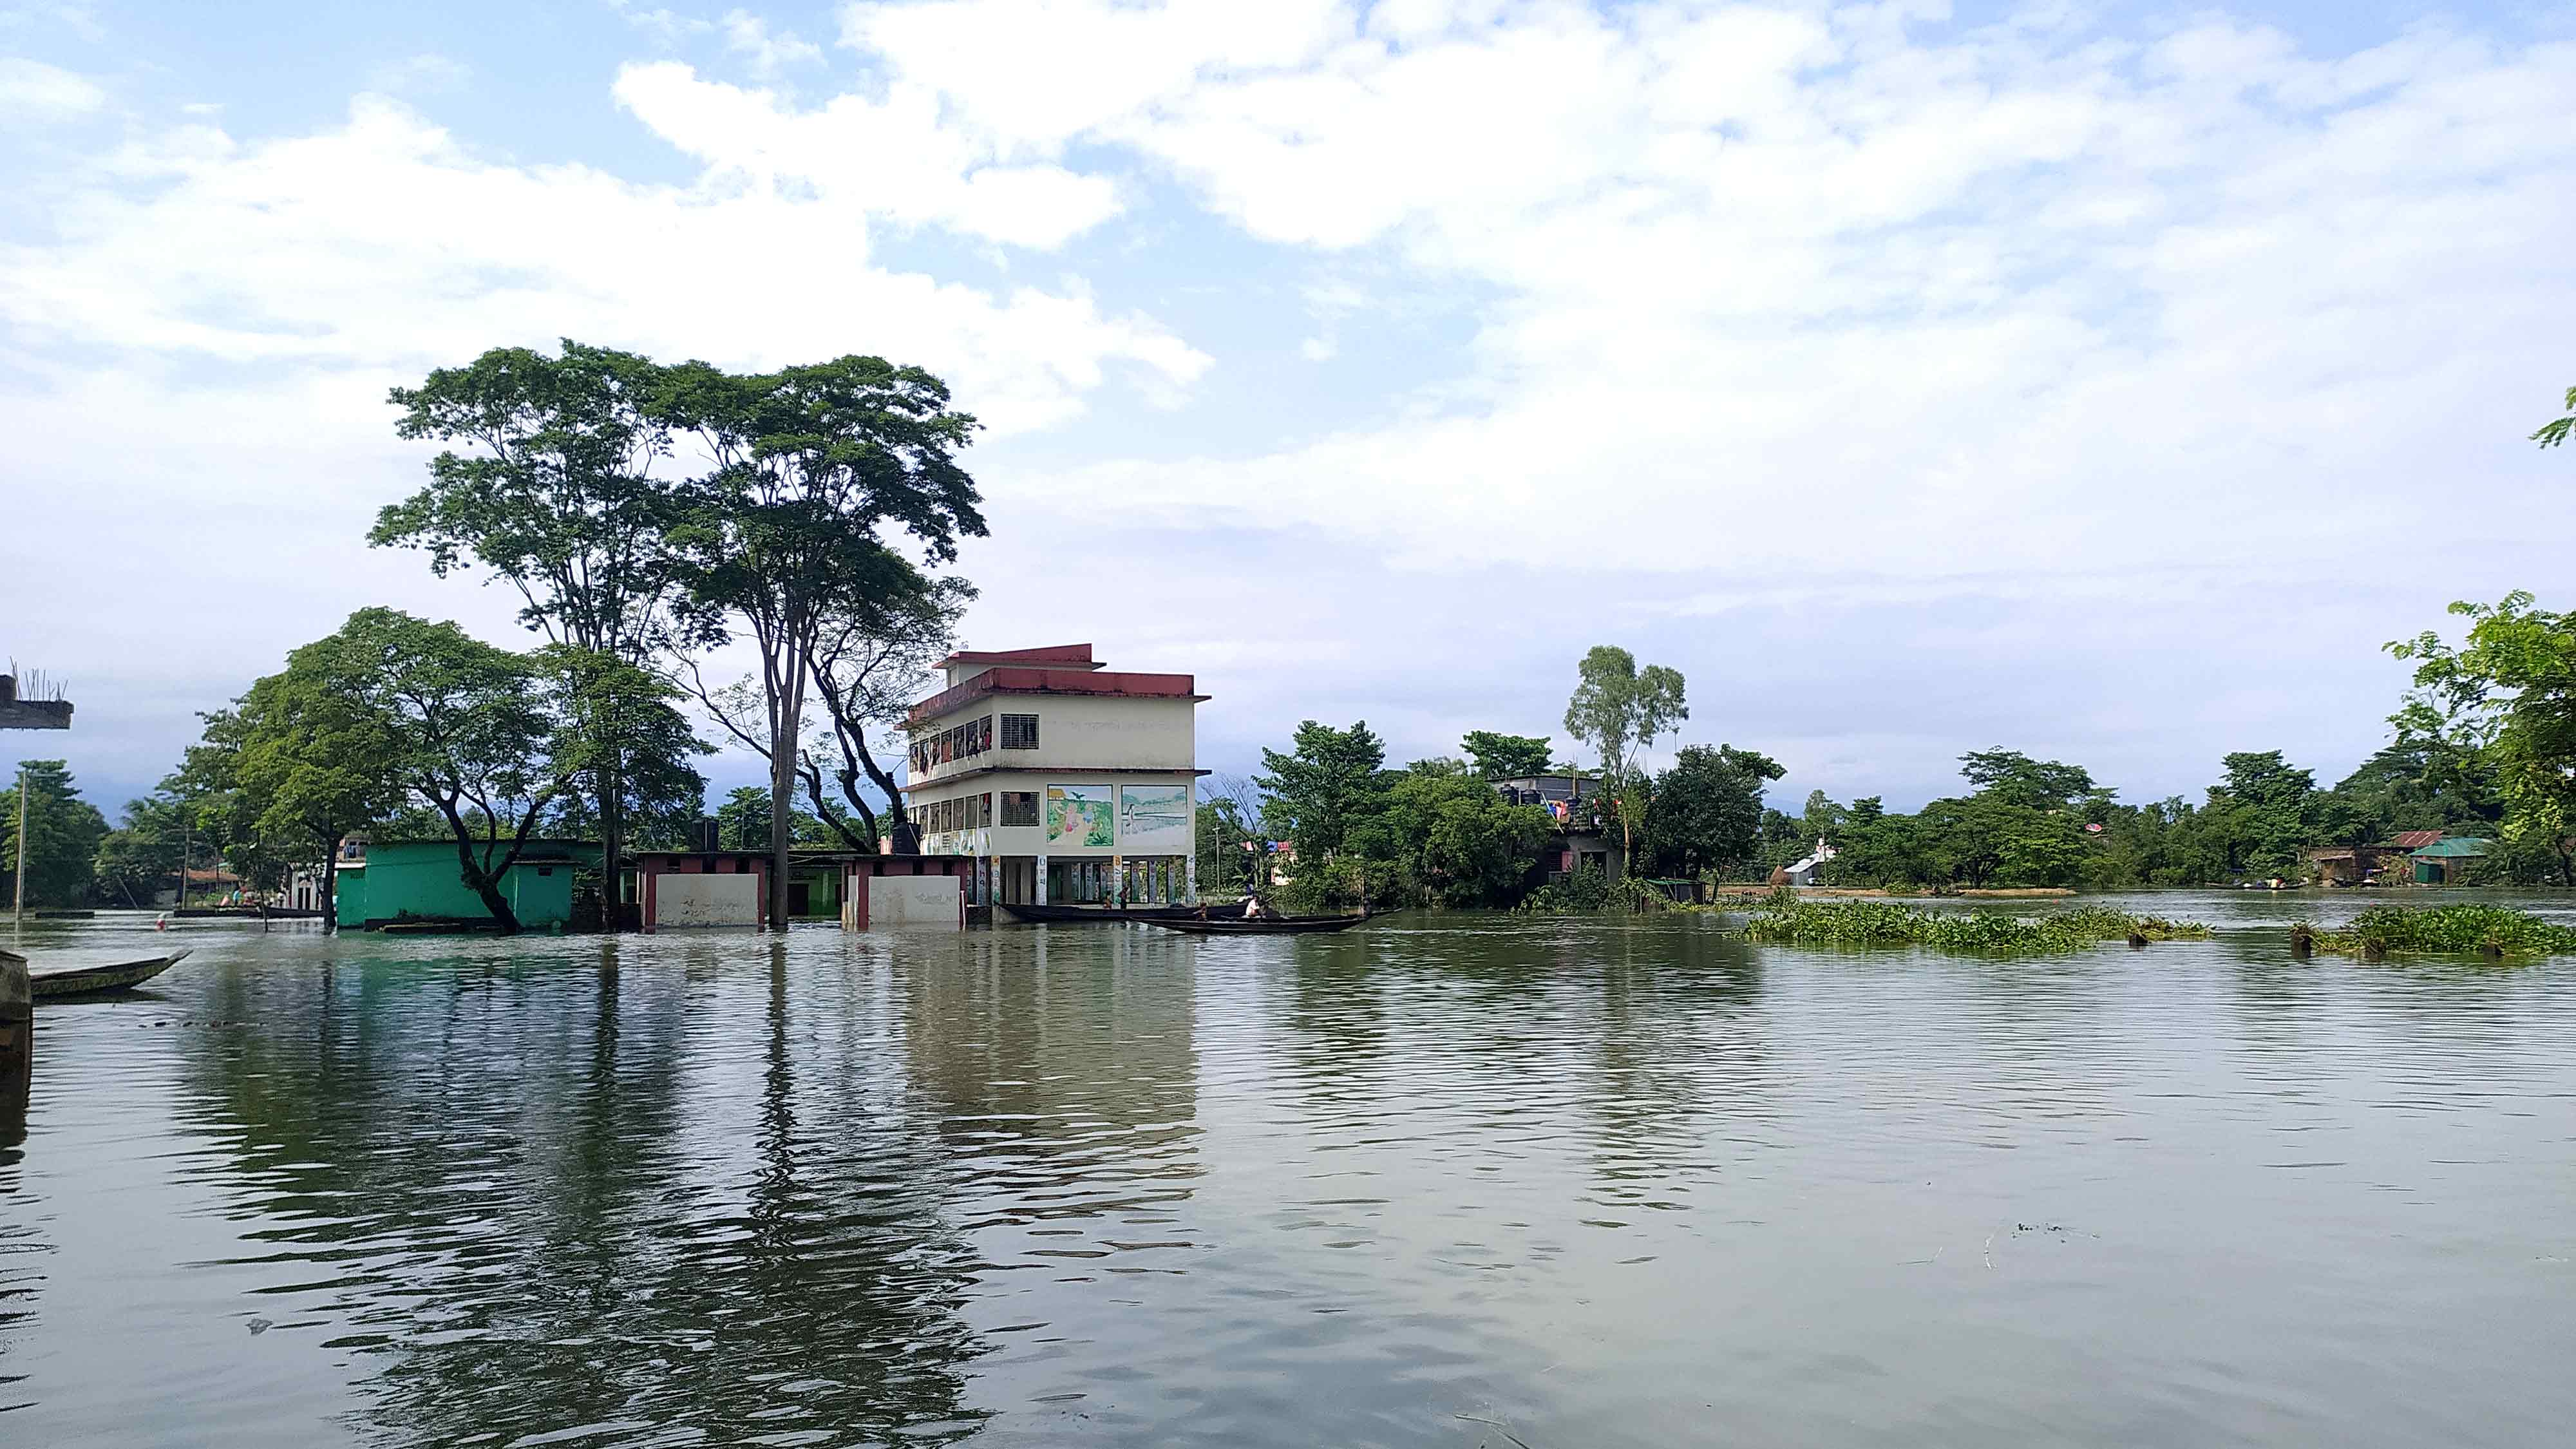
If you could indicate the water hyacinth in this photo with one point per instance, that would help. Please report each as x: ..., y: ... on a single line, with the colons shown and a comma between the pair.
x: 2454, y: 930
x: 1785, y: 919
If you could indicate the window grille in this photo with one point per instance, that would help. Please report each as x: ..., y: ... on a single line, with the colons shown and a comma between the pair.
x: 1019, y: 732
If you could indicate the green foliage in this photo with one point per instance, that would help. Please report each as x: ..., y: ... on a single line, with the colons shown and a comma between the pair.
x: 63, y: 835
x: 2554, y: 432
x: 1328, y: 786
x: 141, y: 853
x: 2453, y: 930
x: 1786, y: 919
x: 1506, y: 757
x: 1705, y: 813
x: 1452, y: 839
x: 1620, y: 711
x: 2012, y: 778
x: 468, y: 730
x: 1585, y: 889
x: 786, y: 540
x: 1331, y: 887
x: 742, y: 823
x: 2509, y: 693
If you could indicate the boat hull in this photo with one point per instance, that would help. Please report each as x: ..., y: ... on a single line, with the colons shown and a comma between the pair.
x: 1260, y: 926
x: 99, y: 980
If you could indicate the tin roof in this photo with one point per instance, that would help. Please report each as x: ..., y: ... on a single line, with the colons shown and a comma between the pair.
x: 2414, y: 839
x: 2453, y: 849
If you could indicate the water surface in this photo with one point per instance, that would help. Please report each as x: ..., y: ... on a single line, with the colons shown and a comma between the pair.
x: 1456, y: 1180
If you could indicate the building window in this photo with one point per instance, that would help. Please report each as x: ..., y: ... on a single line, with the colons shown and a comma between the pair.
x: 1019, y: 807
x: 1019, y: 732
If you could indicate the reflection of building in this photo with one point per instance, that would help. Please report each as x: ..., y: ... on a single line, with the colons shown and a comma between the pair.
x: 1064, y: 780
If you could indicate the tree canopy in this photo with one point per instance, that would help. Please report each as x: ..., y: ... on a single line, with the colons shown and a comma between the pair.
x: 1506, y: 757
x: 1324, y: 787
x: 63, y: 835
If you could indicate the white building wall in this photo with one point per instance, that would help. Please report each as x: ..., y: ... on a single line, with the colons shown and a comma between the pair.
x: 1078, y: 731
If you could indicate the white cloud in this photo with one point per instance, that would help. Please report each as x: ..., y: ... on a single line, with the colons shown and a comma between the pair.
x: 748, y: 36
x: 426, y: 74
x: 35, y: 92
x: 1317, y: 349
x: 2011, y: 295
x: 384, y: 243
x: 892, y: 157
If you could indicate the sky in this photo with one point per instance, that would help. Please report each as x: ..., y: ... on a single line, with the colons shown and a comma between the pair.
x: 2107, y: 381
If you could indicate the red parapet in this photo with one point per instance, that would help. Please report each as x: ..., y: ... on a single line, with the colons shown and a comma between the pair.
x: 1020, y: 680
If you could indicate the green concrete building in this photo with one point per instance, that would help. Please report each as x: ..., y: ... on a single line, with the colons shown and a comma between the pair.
x: 420, y: 880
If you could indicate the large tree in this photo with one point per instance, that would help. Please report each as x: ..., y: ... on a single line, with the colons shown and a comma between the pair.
x: 558, y: 496
x: 292, y: 769
x: 1707, y: 809
x: 2510, y: 688
x: 63, y: 835
x: 1326, y: 787
x: 813, y: 466
x: 1453, y: 840
x: 476, y: 734
x: 1620, y: 711
x: 870, y: 664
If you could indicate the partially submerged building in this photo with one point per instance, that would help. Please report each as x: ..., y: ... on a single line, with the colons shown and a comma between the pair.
x: 2448, y: 861
x: 1585, y: 837
x: 1059, y: 779
x: 421, y: 880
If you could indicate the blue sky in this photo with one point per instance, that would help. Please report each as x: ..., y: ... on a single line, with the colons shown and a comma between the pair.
x: 2102, y: 380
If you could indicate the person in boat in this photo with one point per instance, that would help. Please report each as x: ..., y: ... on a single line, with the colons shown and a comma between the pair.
x: 1252, y: 908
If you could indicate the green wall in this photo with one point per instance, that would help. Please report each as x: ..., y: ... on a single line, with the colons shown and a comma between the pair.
x: 421, y: 878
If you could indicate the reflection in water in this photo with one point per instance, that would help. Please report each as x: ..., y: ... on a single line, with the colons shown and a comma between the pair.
x: 612, y: 1197
x: 1437, y: 1181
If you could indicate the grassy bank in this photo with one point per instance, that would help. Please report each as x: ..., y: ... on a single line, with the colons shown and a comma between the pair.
x: 1788, y: 920
x: 2455, y: 930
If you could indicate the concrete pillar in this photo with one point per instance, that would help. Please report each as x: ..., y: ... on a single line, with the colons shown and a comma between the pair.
x: 17, y: 1046
x: 1042, y: 880
x: 1190, y: 871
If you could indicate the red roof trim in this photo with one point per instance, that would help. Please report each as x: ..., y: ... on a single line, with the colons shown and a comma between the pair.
x: 1010, y: 680
x: 1059, y: 655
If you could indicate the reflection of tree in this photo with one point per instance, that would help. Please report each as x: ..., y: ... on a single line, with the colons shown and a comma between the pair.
x: 547, y: 1194
x: 1063, y: 1068
x: 1669, y: 1051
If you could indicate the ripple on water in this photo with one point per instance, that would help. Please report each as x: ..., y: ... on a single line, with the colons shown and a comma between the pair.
x: 1435, y: 1181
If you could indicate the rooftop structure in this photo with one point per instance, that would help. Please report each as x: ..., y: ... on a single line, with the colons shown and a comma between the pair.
x: 1068, y: 781
x: 38, y: 707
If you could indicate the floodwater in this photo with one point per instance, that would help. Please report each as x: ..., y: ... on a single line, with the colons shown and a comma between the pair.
x: 1461, y: 1180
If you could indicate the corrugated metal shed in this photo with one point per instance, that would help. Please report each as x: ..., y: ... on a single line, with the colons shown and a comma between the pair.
x: 2461, y: 847
x: 2414, y: 839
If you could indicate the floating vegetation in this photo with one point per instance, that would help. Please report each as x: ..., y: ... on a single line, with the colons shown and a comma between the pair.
x: 2455, y: 930
x: 1785, y: 919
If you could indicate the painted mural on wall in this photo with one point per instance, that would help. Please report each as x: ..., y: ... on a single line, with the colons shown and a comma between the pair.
x: 1154, y: 819
x: 1081, y: 815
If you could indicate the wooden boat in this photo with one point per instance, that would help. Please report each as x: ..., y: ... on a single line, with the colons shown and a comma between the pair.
x: 1256, y: 925
x: 44, y: 915
x: 97, y: 980
x: 1037, y: 915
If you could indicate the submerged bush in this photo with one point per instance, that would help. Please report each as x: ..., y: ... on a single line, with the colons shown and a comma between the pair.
x: 1586, y: 889
x: 2456, y: 930
x: 1784, y: 918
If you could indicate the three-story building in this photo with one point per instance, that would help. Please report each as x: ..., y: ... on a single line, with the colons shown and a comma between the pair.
x: 1069, y: 782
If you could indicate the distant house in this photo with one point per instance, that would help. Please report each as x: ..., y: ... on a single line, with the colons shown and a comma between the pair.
x: 2387, y: 863
x: 2445, y: 861
x: 1584, y: 834
x: 422, y: 880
